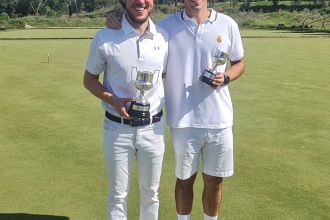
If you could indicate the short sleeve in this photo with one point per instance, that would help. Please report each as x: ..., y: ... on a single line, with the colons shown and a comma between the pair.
x: 236, y: 51
x: 96, y: 61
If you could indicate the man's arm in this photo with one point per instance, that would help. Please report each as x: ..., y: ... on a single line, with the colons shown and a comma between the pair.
x: 234, y: 72
x: 236, y: 69
x: 113, y: 19
x: 92, y: 83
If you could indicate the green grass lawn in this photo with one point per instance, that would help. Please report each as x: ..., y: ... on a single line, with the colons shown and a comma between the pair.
x: 49, y: 33
x: 51, y: 156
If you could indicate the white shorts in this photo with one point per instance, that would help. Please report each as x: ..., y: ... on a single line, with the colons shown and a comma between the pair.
x: 215, y: 146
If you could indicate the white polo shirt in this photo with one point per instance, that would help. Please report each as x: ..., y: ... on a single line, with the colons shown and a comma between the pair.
x: 116, y: 52
x: 189, y: 102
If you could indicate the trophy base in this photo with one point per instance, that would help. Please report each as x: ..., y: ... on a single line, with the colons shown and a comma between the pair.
x: 138, y: 110
x: 207, y: 77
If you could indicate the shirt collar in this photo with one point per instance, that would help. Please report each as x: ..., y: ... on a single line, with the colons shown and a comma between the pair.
x: 210, y: 19
x: 128, y: 28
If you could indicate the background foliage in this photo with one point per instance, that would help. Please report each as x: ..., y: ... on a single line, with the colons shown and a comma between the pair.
x: 290, y: 15
x: 17, y: 8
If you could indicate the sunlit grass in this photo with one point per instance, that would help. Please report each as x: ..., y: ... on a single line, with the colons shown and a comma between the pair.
x: 51, y: 132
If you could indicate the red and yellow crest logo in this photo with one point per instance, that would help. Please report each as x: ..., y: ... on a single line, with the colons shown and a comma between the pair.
x: 219, y: 39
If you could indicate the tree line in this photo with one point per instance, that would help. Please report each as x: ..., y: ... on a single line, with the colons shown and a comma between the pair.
x: 18, y: 8
x: 15, y: 8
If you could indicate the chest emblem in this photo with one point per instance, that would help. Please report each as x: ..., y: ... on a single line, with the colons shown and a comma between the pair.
x: 219, y: 39
x: 156, y: 48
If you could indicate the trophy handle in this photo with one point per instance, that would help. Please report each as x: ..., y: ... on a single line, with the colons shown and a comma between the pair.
x: 134, y: 69
x: 219, y: 58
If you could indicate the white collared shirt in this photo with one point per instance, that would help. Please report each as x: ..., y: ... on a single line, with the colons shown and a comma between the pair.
x: 190, y: 102
x: 118, y: 53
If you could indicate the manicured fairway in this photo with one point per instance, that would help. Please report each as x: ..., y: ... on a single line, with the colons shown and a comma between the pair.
x: 51, y: 156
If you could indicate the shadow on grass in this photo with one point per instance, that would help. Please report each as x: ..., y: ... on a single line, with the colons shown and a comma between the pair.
x: 24, y: 216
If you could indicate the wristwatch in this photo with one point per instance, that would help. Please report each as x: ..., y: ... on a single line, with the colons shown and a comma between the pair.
x: 226, y: 79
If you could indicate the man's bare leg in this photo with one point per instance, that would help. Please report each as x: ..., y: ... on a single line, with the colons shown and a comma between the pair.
x: 184, y: 195
x: 212, y: 194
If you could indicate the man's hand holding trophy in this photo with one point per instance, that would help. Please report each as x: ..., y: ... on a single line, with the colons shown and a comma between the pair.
x: 209, y: 76
x: 139, y: 109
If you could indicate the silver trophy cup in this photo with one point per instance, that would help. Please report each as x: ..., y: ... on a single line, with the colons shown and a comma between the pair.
x: 144, y: 82
x: 219, y: 58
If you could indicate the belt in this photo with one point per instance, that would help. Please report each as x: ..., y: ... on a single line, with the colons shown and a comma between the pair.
x: 135, y: 121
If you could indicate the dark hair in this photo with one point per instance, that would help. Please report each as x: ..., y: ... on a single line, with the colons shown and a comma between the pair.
x: 122, y: 4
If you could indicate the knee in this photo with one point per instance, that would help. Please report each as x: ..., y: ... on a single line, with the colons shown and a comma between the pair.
x: 187, y: 183
x: 117, y: 196
x: 212, y: 182
x: 149, y: 194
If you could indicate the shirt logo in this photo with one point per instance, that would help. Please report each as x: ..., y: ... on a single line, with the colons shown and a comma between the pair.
x: 219, y: 39
x: 156, y: 48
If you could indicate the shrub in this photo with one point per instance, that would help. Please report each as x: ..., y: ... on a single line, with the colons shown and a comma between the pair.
x: 168, y: 9
x: 2, y: 25
x: 50, y: 12
x: 15, y: 24
x: 4, y: 16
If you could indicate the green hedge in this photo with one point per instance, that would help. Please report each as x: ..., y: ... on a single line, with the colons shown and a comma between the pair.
x: 12, y: 24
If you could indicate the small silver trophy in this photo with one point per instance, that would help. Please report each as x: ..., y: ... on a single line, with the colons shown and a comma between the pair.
x: 218, y: 58
x: 139, y: 109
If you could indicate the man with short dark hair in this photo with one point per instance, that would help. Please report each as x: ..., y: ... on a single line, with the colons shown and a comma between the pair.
x: 200, y: 115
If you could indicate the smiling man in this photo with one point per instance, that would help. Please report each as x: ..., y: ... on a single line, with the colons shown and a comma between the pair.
x: 137, y: 48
